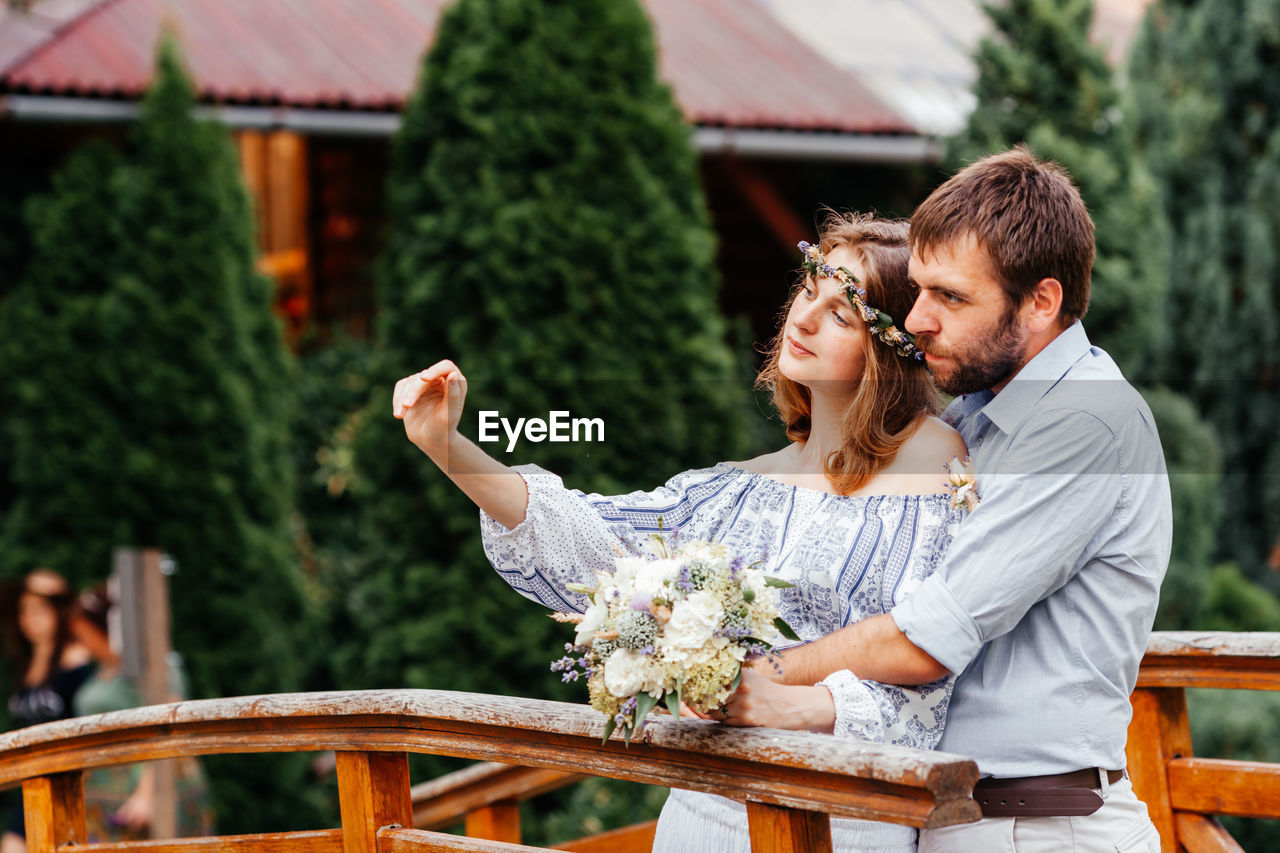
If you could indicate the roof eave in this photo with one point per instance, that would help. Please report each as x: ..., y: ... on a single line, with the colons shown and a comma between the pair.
x: 828, y: 146
x: 775, y: 143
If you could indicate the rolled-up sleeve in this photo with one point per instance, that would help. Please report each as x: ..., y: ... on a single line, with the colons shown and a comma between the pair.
x: 1053, y: 491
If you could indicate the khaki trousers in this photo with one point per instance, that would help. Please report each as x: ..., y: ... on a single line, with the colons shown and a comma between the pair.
x: 1120, y: 826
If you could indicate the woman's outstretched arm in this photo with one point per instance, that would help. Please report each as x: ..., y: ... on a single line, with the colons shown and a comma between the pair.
x: 430, y: 404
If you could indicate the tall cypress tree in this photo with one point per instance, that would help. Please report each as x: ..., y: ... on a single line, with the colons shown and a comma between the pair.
x: 1205, y: 81
x: 146, y: 402
x: 1041, y: 82
x: 549, y: 234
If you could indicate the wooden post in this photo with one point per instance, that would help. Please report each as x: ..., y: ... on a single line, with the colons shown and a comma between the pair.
x: 143, y: 595
x: 775, y: 829
x: 1204, y: 834
x: 276, y: 171
x: 1158, y: 732
x: 373, y: 792
x: 252, y: 145
x: 286, y: 191
x: 54, y: 809
x: 498, y: 821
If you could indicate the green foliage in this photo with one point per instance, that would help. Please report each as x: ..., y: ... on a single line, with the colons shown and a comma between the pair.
x: 333, y: 394
x: 548, y: 233
x: 146, y: 403
x: 1234, y: 603
x: 591, y: 806
x: 1041, y: 82
x: 1204, y: 84
x: 1191, y: 453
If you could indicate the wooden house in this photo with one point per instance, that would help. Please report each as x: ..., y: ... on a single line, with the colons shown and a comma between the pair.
x: 795, y: 105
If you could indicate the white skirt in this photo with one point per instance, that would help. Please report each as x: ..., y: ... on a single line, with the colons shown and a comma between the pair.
x: 692, y: 822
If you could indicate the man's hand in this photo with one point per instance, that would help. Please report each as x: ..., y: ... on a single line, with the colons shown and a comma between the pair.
x: 759, y: 701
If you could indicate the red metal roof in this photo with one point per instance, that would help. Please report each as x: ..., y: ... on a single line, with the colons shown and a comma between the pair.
x: 729, y: 61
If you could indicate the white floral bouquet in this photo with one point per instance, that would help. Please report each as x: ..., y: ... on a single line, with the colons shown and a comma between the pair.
x: 671, y: 628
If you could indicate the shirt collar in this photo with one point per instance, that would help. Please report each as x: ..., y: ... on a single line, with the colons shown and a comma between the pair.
x: 1007, y: 409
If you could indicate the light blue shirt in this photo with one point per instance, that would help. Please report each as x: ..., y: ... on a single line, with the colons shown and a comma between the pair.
x: 1045, y: 601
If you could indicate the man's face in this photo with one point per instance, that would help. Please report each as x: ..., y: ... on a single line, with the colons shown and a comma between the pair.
x: 970, y: 334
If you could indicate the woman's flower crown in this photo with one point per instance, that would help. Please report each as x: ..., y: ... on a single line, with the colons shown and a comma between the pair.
x: 879, y: 323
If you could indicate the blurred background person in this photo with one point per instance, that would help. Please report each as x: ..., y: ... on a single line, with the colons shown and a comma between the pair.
x: 46, y: 664
x: 120, y: 801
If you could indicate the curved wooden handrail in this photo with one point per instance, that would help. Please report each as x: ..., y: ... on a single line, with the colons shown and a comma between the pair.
x: 841, y: 777
x: 1248, y: 661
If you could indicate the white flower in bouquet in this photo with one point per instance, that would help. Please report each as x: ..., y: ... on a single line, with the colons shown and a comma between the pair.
x: 671, y: 627
x: 626, y: 673
x: 655, y: 576
x: 592, y: 621
x: 693, y: 621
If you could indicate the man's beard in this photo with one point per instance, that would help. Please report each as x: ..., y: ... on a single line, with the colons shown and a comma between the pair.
x: 991, y: 361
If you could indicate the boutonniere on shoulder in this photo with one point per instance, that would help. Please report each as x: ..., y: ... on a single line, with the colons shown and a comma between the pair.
x: 670, y: 628
x: 962, y: 483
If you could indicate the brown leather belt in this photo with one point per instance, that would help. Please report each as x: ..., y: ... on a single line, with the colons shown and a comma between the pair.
x: 1060, y: 795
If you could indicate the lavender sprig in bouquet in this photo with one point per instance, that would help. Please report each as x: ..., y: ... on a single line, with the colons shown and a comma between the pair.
x: 671, y: 628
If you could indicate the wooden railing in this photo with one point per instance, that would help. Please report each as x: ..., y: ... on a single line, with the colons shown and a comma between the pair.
x: 1184, y: 792
x: 791, y: 781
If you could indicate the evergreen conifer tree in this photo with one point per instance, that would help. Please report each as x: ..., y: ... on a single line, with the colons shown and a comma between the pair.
x: 146, y: 403
x: 548, y: 233
x: 1205, y: 82
x: 1041, y: 82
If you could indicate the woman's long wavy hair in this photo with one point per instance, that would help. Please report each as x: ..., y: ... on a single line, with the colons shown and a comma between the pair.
x: 894, y: 394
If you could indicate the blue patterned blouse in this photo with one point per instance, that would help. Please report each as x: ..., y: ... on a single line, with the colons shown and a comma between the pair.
x: 849, y: 558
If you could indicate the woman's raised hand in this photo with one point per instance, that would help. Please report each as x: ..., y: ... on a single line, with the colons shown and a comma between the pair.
x: 430, y: 404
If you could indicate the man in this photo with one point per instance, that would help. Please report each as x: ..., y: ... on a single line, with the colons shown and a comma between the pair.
x: 1044, y: 603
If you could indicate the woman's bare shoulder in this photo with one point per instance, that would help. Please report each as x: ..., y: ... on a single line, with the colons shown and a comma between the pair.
x: 766, y: 463
x: 933, y: 445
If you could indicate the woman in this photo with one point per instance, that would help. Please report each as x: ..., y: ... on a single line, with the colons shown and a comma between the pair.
x: 120, y: 800
x: 47, y: 664
x: 853, y: 511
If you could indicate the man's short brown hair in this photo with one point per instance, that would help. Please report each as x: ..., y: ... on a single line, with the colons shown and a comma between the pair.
x: 1028, y: 216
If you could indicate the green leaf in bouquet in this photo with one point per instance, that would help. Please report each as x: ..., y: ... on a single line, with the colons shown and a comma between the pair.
x: 644, y: 704
x: 779, y: 583
x: 672, y: 700
x: 608, y: 729
x: 737, y: 679
x: 785, y: 630
x: 580, y: 588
